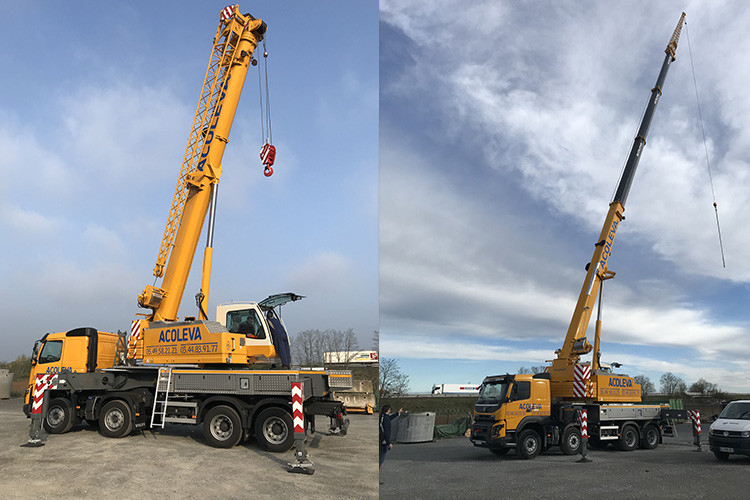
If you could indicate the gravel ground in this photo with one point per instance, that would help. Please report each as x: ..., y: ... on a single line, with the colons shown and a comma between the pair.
x: 177, y: 462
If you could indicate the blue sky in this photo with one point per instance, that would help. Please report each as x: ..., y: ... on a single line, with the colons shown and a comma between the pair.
x: 503, y: 130
x: 97, y: 101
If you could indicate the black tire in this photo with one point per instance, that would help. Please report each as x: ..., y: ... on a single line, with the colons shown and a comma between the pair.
x: 529, y: 444
x: 499, y: 451
x: 628, y: 440
x: 274, y: 430
x: 222, y: 427
x: 59, y: 418
x: 721, y: 455
x: 571, y: 441
x: 116, y: 419
x: 650, y: 438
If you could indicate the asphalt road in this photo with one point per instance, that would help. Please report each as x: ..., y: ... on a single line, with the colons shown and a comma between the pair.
x: 454, y: 468
x: 177, y: 462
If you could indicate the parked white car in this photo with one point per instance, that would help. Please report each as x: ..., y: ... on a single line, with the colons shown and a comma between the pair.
x: 730, y: 433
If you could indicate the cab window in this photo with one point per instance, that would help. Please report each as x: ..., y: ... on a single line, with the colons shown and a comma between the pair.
x: 51, y: 351
x: 520, y: 391
x: 247, y: 322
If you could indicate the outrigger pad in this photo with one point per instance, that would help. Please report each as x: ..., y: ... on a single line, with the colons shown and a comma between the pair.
x: 306, y: 467
x: 33, y: 444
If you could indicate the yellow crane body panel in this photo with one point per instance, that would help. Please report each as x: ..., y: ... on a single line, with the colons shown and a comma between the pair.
x: 202, y: 342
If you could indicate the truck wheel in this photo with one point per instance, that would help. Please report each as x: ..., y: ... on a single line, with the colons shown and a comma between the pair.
x: 529, y: 444
x: 628, y: 440
x: 274, y: 430
x: 116, y: 419
x: 650, y: 437
x: 571, y: 441
x: 499, y: 451
x: 59, y: 417
x: 721, y: 455
x: 222, y: 427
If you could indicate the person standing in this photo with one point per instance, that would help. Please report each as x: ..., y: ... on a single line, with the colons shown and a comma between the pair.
x: 385, y: 430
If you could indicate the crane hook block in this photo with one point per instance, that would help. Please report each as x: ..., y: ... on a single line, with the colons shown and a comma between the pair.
x: 267, y: 157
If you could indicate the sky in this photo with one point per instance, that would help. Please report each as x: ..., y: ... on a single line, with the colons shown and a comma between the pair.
x: 97, y: 103
x: 503, y: 130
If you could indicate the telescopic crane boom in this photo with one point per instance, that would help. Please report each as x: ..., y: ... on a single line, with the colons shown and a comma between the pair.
x: 241, y: 333
x: 234, y: 44
x: 575, y: 343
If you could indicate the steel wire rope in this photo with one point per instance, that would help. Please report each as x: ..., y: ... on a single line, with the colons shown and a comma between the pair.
x: 705, y: 148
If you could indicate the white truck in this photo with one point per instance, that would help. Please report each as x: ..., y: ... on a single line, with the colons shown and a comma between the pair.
x: 455, y: 389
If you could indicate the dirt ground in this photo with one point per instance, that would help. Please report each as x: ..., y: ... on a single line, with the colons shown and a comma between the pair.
x: 177, y: 462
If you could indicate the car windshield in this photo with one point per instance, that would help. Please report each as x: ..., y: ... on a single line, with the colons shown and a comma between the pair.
x: 737, y: 411
x: 492, y: 391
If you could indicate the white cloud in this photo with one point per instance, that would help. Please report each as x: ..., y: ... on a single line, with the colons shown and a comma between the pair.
x: 126, y: 131
x: 566, y: 123
x: 28, y: 223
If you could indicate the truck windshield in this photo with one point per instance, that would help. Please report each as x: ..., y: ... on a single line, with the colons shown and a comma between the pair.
x: 51, y: 351
x: 737, y: 411
x: 492, y: 392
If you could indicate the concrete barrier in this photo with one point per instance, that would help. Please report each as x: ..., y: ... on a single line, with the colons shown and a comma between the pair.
x: 6, y: 384
x: 413, y: 428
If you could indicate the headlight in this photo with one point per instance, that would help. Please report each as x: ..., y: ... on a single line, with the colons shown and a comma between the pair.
x: 745, y: 434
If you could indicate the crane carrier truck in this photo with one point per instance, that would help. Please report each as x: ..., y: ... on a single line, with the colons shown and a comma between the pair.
x: 532, y: 413
x: 231, y: 375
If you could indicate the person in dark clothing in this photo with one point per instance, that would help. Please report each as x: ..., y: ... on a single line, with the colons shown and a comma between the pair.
x: 385, y: 430
x: 280, y: 339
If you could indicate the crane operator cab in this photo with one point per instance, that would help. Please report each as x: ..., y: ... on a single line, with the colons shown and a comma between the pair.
x: 260, y: 323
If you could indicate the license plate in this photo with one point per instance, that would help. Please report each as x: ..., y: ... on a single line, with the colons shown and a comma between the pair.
x: 727, y: 450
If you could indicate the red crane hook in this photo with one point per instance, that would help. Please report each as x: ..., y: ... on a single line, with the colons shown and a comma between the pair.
x: 267, y: 157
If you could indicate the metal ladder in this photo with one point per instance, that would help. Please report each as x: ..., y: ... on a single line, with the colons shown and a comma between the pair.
x: 161, y: 397
x: 669, y: 429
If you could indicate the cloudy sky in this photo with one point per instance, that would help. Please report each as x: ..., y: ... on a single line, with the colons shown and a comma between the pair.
x: 97, y: 102
x: 503, y: 130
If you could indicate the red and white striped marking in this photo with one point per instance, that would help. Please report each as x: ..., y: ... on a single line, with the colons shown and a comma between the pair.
x: 581, y: 376
x: 583, y: 417
x: 43, y: 382
x: 227, y: 12
x: 695, y: 416
x: 297, y: 414
x: 135, y: 335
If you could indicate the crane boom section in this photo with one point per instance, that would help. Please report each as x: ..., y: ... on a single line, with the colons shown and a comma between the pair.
x: 234, y: 44
x: 575, y: 343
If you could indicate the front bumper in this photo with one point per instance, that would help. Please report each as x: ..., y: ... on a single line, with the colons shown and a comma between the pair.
x: 740, y: 446
x: 481, y: 435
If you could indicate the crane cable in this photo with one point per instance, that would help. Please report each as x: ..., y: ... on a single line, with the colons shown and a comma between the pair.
x: 705, y: 148
x: 268, y: 151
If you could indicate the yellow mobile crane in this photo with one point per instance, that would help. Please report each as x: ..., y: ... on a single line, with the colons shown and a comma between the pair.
x: 160, y: 338
x: 194, y: 371
x: 533, y: 413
